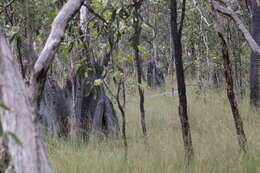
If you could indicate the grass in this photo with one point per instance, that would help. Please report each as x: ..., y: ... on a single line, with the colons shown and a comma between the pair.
x: 213, y: 133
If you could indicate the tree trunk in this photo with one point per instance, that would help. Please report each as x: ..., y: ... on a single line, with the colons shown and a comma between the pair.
x: 255, y: 58
x: 122, y: 110
x: 252, y: 40
x: 20, y: 120
x: 155, y: 77
x: 55, y: 109
x: 76, y: 128
x: 136, y: 43
x: 230, y: 84
x: 177, y: 45
x: 98, y: 116
x: 231, y: 95
x: 90, y: 111
x: 42, y: 64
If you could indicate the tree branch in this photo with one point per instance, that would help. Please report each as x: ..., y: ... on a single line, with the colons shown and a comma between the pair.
x: 195, y: 4
x: 230, y: 13
x: 95, y: 14
x: 42, y: 64
x: 183, y: 9
x: 6, y: 6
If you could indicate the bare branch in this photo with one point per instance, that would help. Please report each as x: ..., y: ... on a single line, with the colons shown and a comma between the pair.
x: 95, y: 14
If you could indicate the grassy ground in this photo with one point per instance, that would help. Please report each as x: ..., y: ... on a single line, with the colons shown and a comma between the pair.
x: 214, y: 140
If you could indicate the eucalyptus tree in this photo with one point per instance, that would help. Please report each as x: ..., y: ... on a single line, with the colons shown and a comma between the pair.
x: 20, y: 119
x: 135, y: 43
x: 24, y: 100
x: 155, y: 76
x: 251, y: 37
x: 176, y: 31
x: 229, y: 79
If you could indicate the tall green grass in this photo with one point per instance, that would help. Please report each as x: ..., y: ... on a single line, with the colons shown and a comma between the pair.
x: 213, y: 133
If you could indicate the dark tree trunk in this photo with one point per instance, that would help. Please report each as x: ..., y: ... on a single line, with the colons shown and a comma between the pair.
x: 93, y: 110
x: 136, y: 43
x: 104, y: 120
x: 231, y: 95
x: 77, y: 84
x: 193, y: 59
x: 54, y: 110
x: 122, y: 110
x: 177, y: 45
x: 255, y: 59
x: 230, y: 85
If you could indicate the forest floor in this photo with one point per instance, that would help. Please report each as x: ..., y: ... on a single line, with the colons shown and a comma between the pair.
x: 213, y: 134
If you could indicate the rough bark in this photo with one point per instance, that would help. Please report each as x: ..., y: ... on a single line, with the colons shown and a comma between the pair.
x: 230, y: 13
x: 104, y: 122
x: 230, y: 84
x: 76, y: 129
x: 31, y: 156
x: 55, y: 110
x: 177, y: 48
x: 253, y: 40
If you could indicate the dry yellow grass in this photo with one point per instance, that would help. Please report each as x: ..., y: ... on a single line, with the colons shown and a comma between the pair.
x: 214, y: 140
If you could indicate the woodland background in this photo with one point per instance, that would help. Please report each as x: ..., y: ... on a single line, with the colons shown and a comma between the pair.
x: 129, y: 86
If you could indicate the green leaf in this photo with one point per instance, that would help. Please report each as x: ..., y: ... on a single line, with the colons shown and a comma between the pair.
x: 15, y: 36
x: 15, y: 138
x: 118, y: 75
x: 97, y: 82
x: 5, y: 107
x: 1, y: 130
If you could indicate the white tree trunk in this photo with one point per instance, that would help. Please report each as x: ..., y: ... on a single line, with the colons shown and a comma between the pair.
x: 31, y: 156
x: 24, y: 101
x: 42, y: 65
